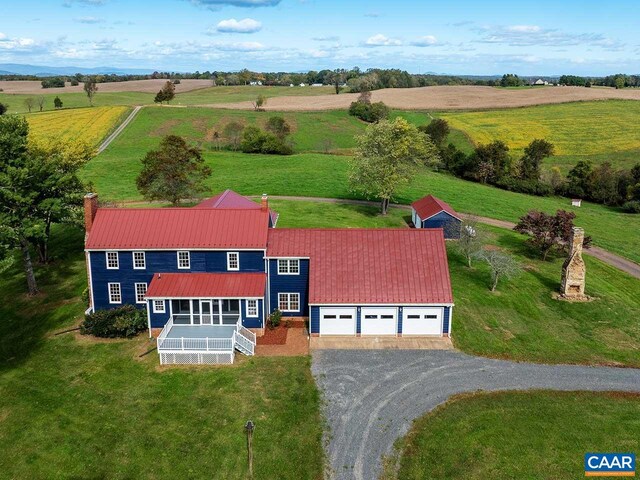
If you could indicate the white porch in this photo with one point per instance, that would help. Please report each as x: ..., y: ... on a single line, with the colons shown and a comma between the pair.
x: 203, y: 344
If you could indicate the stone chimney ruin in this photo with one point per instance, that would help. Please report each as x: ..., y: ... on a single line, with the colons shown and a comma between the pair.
x: 574, y: 269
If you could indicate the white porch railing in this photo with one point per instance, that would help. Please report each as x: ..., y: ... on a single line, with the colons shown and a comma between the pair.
x: 242, y: 339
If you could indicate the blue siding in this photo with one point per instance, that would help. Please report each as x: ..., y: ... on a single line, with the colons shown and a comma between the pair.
x: 445, y: 221
x: 400, y: 317
x: 251, y: 322
x: 446, y: 320
x: 289, y: 284
x: 158, y: 320
x: 158, y: 262
x: 314, y: 320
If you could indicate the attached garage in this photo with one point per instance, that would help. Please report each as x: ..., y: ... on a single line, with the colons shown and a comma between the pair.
x: 422, y: 321
x: 337, y: 321
x: 379, y: 321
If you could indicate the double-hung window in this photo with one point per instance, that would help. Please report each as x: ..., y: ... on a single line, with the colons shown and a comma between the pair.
x: 158, y: 306
x: 139, y: 261
x: 288, y: 266
x: 115, y: 294
x: 113, y: 262
x: 252, y: 308
x: 289, y: 302
x: 184, y: 260
x: 141, y: 291
x: 233, y: 261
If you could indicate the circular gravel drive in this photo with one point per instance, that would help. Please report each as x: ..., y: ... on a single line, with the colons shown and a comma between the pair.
x: 372, y: 396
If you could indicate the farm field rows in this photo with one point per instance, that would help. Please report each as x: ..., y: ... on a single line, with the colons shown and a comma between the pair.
x: 600, y: 131
x: 89, y: 124
x: 491, y: 435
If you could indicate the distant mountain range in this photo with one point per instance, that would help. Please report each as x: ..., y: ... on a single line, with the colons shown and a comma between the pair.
x: 45, y: 71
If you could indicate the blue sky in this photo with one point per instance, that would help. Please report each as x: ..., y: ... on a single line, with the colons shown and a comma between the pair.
x: 535, y: 37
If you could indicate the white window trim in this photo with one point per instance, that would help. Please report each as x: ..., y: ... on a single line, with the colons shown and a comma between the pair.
x: 287, y: 262
x: 289, y: 295
x: 188, y: 259
x: 135, y: 287
x: 119, y: 291
x: 229, y: 254
x: 106, y: 257
x: 247, y: 308
x: 156, y: 309
x: 144, y: 260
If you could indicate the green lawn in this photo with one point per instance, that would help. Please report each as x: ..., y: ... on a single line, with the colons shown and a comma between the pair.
x: 318, y: 175
x: 522, y: 321
x: 532, y: 435
x: 76, y: 100
x: 72, y: 407
x: 597, y: 131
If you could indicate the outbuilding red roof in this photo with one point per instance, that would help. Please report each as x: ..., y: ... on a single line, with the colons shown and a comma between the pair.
x: 231, y: 199
x: 429, y: 206
x: 207, y: 285
x: 369, y: 266
x: 178, y: 228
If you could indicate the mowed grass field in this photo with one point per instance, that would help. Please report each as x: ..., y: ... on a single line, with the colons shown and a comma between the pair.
x: 89, y: 124
x: 202, y: 96
x: 522, y: 321
x: 532, y: 435
x: 598, y: 131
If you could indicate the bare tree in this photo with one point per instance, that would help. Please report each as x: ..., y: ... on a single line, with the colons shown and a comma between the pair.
x: 41, y: 101
x: 471, y: 240
x: 29, y: 102
x: 502, y: 265
x: 90, y: 88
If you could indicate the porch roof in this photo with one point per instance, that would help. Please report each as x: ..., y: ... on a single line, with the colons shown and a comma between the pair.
x: 207, y: 285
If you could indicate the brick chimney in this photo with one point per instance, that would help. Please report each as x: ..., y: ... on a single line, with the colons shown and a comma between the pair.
x: 264, y: 203
x: 90, y: 209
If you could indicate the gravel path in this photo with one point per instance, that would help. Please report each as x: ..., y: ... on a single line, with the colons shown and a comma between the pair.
x: 118, y: 130
x: 373, y: 396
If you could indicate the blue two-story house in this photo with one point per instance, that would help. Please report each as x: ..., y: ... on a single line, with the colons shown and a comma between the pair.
x: 209, y: 276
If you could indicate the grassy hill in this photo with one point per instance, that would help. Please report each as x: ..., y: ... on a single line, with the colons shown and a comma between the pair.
x: 597, y: 131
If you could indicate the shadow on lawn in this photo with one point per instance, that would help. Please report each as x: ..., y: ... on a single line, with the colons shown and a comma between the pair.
x: 26, y: 320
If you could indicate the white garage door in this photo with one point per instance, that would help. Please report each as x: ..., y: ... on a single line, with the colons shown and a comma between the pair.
x: 378, y: 321
x: 422, y: 321
x: 337, y: 321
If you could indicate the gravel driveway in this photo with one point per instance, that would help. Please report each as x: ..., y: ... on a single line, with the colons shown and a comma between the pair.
x: 373, y: 396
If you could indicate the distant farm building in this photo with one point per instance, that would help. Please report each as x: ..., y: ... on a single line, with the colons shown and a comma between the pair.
x: 431, y: 212
x: 576, y: 202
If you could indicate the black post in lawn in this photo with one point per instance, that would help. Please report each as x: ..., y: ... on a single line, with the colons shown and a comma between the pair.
x: 249, y: 427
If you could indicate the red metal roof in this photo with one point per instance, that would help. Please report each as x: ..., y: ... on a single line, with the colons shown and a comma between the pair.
x: 231, y: 199
x: 369, y: 266
x: 178, y: 228
x: 207, y: 285
x: 429, y: 206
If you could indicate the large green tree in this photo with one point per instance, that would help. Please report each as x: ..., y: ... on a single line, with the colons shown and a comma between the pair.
x: 387, y: 156
x: 173, y: 172
x: 534, y: 154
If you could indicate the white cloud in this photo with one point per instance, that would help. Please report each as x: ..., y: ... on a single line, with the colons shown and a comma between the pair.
x: 426, y: 41
x: 319, y: 54
x: 534, y: 35
x: 88, y: 20
x: 216, y: 4
x: 381, y: 40
x: 328, y: 38
x: 246, y: 25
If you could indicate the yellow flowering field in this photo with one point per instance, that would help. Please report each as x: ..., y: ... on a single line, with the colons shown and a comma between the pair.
x: 91, y: 125
x: 581, y: 128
